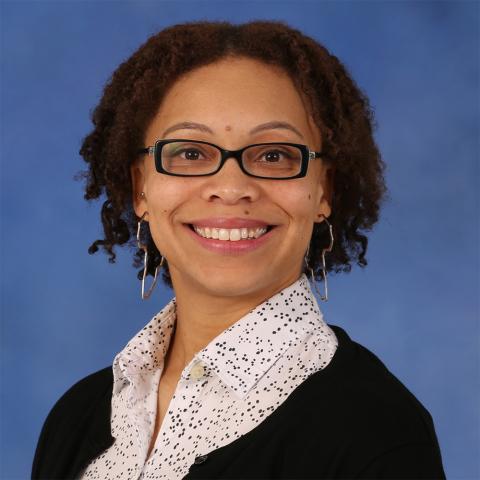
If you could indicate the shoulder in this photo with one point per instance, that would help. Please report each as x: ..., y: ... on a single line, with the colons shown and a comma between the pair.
x: 361, y: 396
x: 83, y: 393
x: 362, y: 418
x: 81, y: 413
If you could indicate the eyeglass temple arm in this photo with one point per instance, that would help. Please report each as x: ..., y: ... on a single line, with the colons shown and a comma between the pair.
x: 148, y: 150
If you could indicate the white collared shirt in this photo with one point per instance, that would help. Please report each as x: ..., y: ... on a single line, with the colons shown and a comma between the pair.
x: 227, y: 389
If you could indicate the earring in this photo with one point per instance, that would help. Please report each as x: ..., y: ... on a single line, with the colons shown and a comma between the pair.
x: 324, y: 268
x: 143, y: 247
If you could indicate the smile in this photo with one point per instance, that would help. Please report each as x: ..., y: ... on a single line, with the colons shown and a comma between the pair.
x: 231, y: 241
x: 230, y: 234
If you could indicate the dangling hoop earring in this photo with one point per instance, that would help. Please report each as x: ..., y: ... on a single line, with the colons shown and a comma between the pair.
x: 143, y: 247
x: 324, y: 268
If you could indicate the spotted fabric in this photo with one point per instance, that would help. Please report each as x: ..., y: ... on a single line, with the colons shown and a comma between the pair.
x: 227, y: 389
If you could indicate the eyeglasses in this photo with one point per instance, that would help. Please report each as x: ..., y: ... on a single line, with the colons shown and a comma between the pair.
x: 195, y: 158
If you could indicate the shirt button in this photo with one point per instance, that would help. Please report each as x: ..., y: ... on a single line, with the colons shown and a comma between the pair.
x: 197, y: 371
x: 200, y: 459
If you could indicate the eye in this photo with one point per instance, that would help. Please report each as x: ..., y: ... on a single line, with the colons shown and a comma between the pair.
x: 272, y: 156
x: 275, y: 156
x: 190, y: 153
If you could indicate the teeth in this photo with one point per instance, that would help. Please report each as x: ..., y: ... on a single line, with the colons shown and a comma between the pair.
x: 231, y: 234
x: 223, y: 234
x: 260, y: 231
x: 235, y: 235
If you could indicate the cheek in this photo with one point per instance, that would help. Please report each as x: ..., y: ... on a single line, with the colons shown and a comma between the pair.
x: 160, y: 201
x: 299, y: 203
x: 164, y: 195
x: 164, y: 198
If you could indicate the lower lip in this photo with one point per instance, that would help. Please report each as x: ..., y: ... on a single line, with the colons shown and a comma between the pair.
x: 227, y: 246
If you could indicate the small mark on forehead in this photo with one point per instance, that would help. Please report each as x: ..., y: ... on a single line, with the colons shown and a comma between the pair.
x: 228, y: 128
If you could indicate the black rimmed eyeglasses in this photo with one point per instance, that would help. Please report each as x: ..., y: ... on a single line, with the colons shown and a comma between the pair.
x: 195, y: 158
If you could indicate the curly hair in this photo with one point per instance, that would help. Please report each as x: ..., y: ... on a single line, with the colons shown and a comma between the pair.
x: 339, y: 108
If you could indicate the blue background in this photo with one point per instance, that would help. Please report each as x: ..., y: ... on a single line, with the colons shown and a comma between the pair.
x: 66, y: 314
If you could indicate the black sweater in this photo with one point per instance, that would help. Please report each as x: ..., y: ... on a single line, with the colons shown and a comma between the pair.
x: 353, y: 419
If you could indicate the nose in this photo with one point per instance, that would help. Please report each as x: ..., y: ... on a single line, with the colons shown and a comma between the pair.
x: 231, y: 185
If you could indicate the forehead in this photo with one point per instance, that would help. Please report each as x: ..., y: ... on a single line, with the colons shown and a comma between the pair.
x: 232, y: 80
x: 232, y: 94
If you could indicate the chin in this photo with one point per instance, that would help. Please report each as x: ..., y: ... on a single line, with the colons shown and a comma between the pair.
x: 232, y: 282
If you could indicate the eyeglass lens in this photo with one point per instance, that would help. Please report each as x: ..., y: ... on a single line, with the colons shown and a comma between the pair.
x: 192, y: 158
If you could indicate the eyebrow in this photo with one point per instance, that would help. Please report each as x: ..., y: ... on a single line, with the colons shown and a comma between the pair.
x: 274, y: 125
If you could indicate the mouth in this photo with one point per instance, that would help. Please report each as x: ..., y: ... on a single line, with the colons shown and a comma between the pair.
x: 230, y: 234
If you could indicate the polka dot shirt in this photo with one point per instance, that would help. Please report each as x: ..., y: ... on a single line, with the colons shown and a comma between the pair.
x: 227, y: 389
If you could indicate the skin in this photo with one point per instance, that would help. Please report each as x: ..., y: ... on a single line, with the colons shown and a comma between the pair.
x: 213, y: 290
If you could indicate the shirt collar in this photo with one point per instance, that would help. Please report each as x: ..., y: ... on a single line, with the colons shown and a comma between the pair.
x: 146, y: 351
x: 235, y: 355
x: 287, y: 317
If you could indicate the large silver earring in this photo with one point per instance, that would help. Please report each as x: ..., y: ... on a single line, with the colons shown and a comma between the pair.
x: 143, y: 247
x: 323, y: 297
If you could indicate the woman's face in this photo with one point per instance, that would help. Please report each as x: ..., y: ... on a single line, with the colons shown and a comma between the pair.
x: 230, y: 98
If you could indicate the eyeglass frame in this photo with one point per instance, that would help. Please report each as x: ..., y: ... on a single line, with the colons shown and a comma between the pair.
x: 156, y: 151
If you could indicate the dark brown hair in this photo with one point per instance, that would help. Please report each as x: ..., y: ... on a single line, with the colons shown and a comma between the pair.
x: 340, y: 109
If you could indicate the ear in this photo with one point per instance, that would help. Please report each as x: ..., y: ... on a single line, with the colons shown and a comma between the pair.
x: 324, y: 208
x: 137, y: 174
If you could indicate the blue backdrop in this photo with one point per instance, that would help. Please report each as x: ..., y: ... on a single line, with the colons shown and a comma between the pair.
x: 66, y: 314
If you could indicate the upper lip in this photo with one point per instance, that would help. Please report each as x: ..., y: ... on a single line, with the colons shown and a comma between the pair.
x: 230, y: 222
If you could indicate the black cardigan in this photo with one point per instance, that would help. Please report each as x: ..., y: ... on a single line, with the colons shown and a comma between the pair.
x: 353, y: 419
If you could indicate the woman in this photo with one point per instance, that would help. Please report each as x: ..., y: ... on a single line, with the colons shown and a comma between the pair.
x: 239, y: 159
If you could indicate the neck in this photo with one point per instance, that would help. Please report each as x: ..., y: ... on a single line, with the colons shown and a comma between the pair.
x: 202, y: 316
